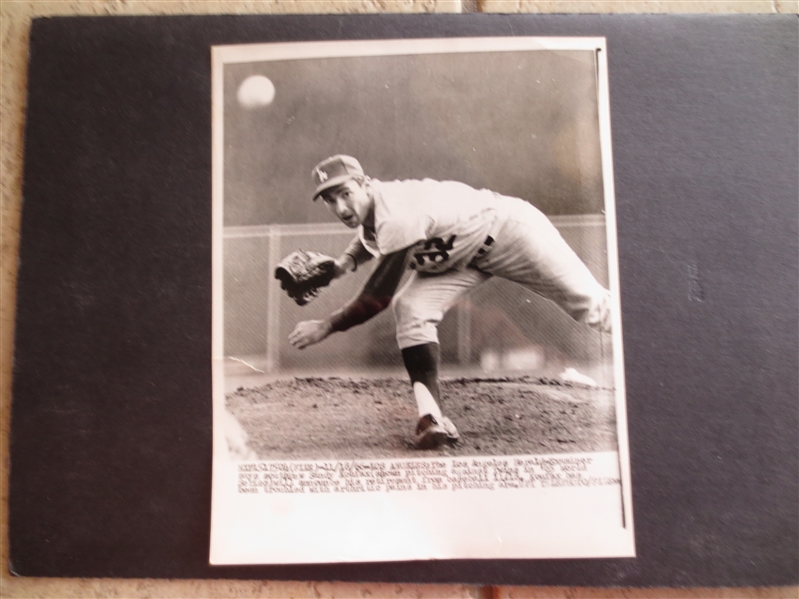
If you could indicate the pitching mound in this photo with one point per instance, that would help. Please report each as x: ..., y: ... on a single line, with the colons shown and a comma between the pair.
x: 334, y: 418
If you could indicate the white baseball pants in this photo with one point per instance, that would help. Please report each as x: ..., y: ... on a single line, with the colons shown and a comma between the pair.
x: 528, y: 250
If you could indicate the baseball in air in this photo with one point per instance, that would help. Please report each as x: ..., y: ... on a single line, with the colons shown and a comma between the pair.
x: 256, y: 91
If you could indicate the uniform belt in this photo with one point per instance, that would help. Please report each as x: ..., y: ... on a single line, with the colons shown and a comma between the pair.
x: 498, y: 221
x: 489, y: 241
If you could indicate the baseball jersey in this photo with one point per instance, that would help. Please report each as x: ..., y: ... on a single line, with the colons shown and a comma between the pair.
x: 443, y: 222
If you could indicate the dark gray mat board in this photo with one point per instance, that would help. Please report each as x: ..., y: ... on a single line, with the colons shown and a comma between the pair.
x: 111, y: 414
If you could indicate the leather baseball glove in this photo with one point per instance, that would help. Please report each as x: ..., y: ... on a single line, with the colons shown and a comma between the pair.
x: 302, y: 274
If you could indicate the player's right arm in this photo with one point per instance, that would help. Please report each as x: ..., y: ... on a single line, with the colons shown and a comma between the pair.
x: 373, y: 299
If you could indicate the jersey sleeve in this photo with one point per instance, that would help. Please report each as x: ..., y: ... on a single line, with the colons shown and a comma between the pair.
x: 358, y: 252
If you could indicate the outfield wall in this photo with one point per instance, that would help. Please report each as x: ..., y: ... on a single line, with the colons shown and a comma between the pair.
x: 499, y: 326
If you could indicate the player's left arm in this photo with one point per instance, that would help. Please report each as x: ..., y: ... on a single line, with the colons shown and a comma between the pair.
x: 352, y: 257
x: 373, y: 299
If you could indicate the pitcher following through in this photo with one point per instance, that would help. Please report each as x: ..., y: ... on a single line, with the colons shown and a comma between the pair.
x: 453, y: 237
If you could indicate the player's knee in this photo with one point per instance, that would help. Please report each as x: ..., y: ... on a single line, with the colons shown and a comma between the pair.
x: 404, y: 309
x: 414, y: 326
x: 416, y: 333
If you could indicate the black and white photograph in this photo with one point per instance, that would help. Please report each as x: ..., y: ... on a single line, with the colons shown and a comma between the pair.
x: 396, y: 300
x: 416, y: 303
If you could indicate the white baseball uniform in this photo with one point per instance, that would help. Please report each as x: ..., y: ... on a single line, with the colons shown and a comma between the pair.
x: 460, y: 237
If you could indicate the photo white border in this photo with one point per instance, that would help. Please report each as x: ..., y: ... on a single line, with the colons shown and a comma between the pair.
x: 243, y: 531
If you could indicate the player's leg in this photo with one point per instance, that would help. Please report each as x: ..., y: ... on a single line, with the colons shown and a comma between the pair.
x: 529, y: 250
x: 421, y: 361
x: 433, y: 428
x: 419, y: 307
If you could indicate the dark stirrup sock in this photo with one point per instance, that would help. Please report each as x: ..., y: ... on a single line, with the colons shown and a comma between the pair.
x: 421, y: 362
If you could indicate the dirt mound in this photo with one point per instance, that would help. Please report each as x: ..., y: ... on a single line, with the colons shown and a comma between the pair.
x: 339, y: 418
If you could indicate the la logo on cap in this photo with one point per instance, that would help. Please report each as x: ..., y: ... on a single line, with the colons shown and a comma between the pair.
x: 335, y: 170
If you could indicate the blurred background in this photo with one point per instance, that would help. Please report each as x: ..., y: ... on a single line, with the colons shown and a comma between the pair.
x: 521, y: 123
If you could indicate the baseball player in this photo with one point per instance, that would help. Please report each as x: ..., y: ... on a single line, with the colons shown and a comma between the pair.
x: 453, y: 237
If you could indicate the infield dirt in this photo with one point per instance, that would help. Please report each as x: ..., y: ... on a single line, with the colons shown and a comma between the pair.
x: 336, y: 418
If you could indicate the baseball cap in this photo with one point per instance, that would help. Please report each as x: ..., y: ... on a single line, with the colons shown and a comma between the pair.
x: 334, y: 171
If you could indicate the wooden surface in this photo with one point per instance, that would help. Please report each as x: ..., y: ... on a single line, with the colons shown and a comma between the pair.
x: 15, y: 19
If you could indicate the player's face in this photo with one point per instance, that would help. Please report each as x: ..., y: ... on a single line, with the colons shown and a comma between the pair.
x: 350, y: 202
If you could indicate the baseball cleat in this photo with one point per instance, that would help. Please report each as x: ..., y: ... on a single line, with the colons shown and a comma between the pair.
x: 433, y: 432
